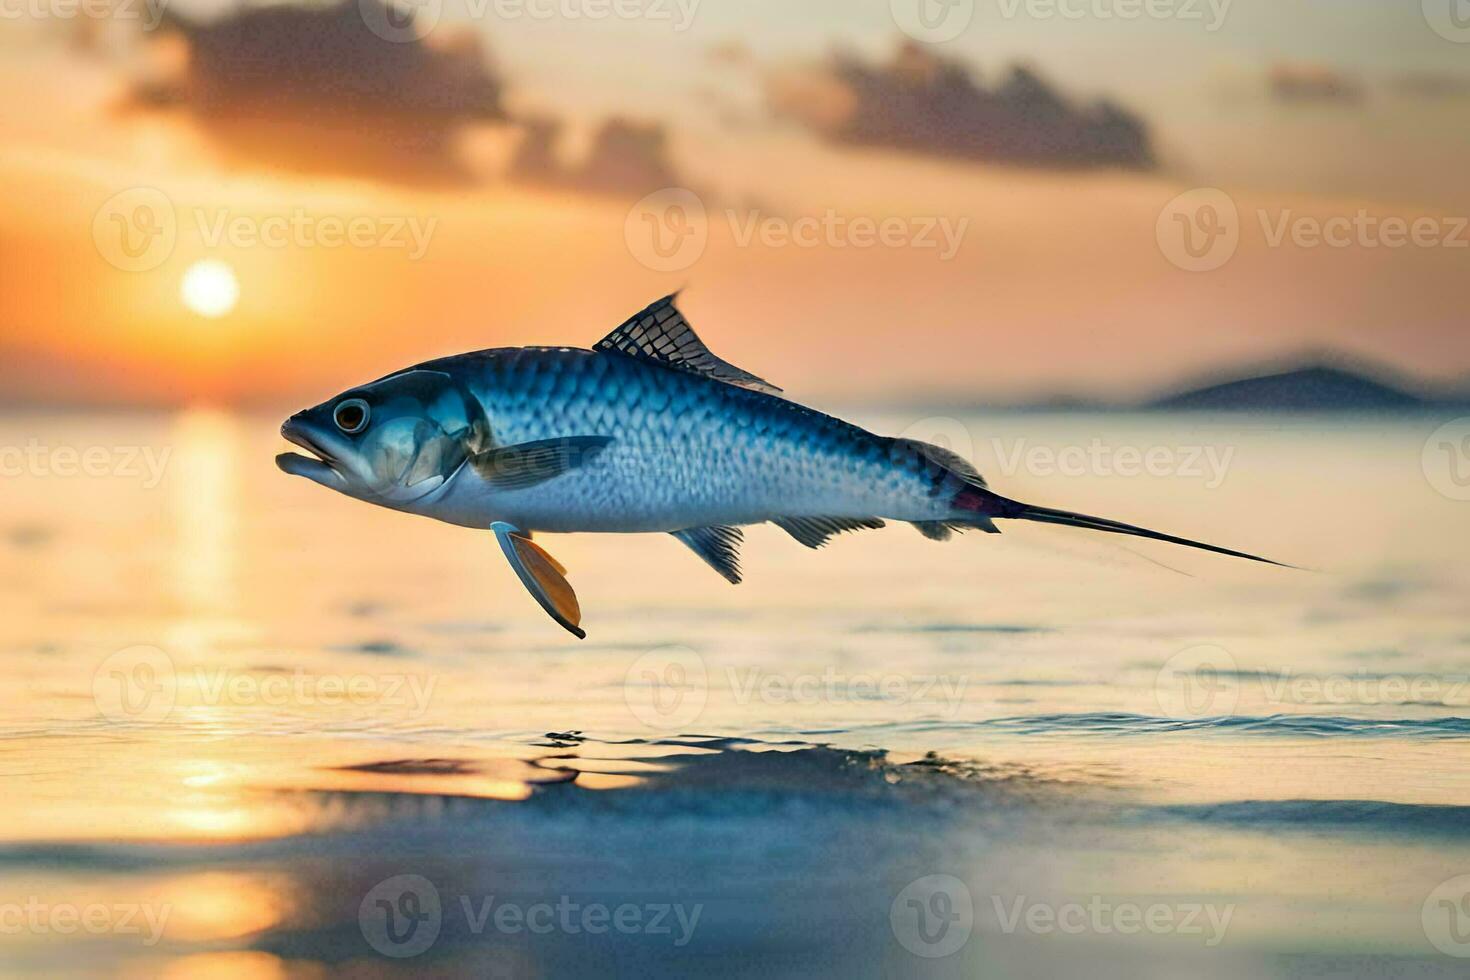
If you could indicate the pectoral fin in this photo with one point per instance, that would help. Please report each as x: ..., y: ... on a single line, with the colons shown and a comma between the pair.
x: 542, y: 575
x: 530, y: 463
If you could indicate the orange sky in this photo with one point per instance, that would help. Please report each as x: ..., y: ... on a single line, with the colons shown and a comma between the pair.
x: 1057, y: 282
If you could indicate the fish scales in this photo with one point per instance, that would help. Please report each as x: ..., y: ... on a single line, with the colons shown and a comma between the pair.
x: 686, y: 451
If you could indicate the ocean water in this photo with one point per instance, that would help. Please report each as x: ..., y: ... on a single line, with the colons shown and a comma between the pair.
x: 253, y: 729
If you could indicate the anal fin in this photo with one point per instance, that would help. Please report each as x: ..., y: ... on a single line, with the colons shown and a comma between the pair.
x: 718, y: 545
x: 814, y: 531
x: 944, y: 530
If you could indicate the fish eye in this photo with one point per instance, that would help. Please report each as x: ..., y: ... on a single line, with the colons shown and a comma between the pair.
x: 351, y: 415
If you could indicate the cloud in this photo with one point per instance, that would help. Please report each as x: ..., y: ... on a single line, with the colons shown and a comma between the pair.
x: 314, y: 88
x: 625, y: 158
x: 925, y: 103
x: 1431, y: 85
x: 1313, y: 83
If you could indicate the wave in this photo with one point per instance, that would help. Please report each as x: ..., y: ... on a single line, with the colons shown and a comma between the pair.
x: 1368, y: 816
x: 1310, y: 726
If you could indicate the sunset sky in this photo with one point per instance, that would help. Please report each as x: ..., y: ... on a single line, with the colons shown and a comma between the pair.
x: 345, y: 236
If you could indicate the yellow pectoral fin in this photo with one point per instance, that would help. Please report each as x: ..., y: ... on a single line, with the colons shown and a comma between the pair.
x: 543, y: 576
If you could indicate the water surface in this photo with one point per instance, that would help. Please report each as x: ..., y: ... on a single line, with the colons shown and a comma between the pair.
x: 255, y: 729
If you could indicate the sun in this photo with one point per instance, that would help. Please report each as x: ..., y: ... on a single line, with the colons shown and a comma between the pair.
x: 209, y: 288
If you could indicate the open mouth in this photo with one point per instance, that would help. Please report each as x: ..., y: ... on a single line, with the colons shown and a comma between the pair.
x: 320, y: 467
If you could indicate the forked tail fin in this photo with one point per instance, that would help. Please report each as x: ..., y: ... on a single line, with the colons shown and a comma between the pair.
x: 979, y: 500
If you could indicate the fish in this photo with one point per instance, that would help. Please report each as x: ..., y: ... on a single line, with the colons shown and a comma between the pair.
x: 648, y: 431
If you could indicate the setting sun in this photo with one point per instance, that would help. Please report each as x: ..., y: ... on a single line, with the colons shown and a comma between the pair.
x: 210, y: 288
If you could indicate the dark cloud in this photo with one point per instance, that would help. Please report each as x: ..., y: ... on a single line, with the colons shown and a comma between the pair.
x: 314, y: 88
x: 626, y: 158
x: 925, y: 103
x: 1313, y: 83
x: 318, y: 89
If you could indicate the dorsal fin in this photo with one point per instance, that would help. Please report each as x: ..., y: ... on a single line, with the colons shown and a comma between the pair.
x: 660, y: 333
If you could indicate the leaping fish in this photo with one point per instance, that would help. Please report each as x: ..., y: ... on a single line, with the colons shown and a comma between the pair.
x: 648, y: 431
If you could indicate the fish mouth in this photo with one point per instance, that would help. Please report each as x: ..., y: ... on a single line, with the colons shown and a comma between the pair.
x: 321, y: 467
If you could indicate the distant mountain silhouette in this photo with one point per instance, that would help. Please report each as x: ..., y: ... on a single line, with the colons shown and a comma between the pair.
x: 1315, y: 389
